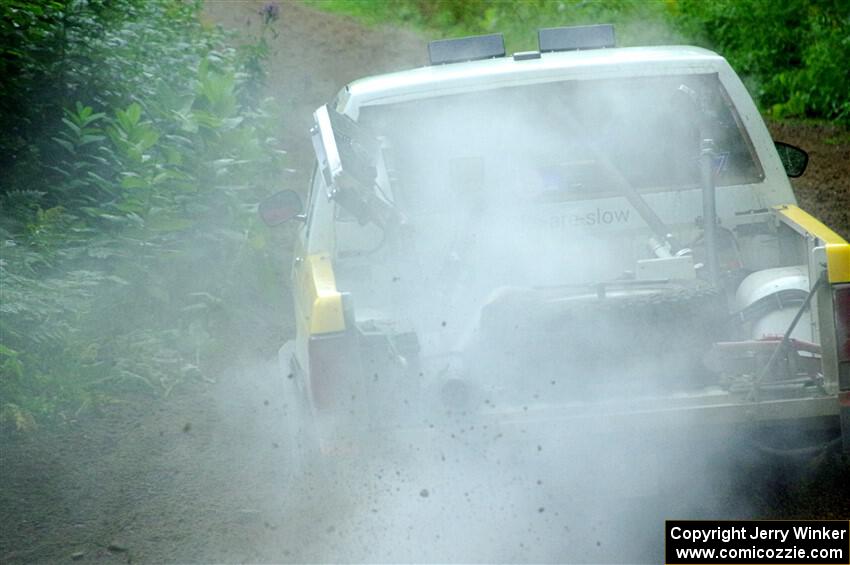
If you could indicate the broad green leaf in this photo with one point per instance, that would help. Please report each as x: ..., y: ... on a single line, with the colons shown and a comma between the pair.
x: 67, y: 145
x: 134, y: 113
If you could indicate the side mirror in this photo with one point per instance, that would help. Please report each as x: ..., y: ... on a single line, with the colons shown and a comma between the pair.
x: 280, y: 207
x: 793, y: 159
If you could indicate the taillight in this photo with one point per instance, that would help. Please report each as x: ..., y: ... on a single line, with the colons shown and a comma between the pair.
x: 841, y: 302
x: 334, y: 367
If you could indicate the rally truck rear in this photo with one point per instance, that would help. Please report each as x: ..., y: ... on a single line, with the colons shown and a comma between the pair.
x: 581, y: 238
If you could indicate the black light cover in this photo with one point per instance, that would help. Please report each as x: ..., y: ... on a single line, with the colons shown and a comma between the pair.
x: 574, y: 38
x: 462, y: 49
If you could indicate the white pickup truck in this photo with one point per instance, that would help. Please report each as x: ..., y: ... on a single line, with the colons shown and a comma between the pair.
x: 558, y: 238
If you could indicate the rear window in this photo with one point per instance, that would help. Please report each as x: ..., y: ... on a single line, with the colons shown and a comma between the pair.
x: 562, y: 140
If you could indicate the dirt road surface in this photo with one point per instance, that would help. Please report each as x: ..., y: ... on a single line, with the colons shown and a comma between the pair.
x: 203, y: 476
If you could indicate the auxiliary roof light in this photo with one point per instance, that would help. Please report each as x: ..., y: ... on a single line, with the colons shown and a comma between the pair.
x: 463, y: 49
x: 575, y: 38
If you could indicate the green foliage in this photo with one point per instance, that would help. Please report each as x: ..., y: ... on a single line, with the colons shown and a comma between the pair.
x: 793, y: 55
x: 638, y: 21
x: 133, y: 159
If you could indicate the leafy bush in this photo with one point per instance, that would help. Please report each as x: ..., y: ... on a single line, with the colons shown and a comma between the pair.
x: 792, y: 54
x: 134, y: 149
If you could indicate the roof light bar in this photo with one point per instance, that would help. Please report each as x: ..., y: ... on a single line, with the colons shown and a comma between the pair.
x: 462, y: 49
x: 574, y: 38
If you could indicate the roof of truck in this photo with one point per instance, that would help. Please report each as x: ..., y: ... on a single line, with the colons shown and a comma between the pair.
x: 452, y: 78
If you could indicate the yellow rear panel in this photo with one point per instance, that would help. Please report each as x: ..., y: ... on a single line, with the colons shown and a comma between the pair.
x: 837, y: 250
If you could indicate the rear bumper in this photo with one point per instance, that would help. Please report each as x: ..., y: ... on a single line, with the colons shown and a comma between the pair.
x: 681, y: 412
x: 717, y: 414
x: 522, y: 433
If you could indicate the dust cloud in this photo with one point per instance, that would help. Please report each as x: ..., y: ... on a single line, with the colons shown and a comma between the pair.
x: 507, y: 438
